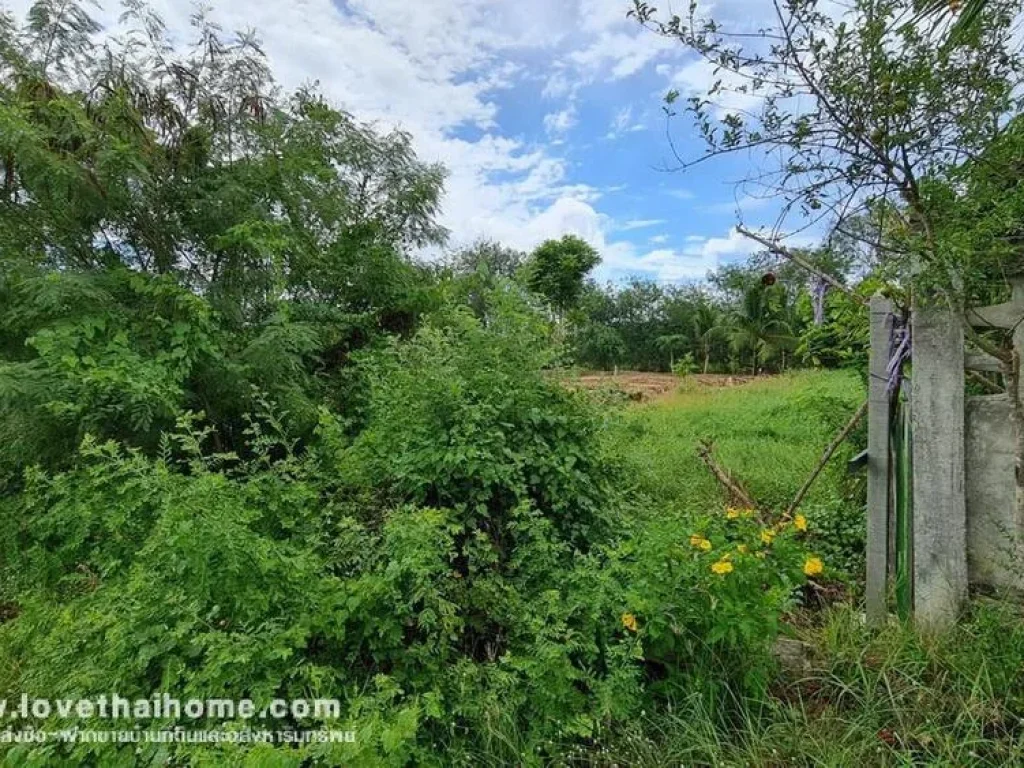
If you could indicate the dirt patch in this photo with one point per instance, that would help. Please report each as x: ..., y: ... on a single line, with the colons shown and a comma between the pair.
x: 9, y: 611
x: 647, y: 386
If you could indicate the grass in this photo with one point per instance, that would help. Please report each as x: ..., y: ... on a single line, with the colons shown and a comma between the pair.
x: 871, y: 698
x: 890, y: 697
x: 770, y: 434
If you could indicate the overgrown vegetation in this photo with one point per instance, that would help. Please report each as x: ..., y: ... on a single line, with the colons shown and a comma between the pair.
x: 252, y: 448
x: 769, y: 433
x: 889, y: 698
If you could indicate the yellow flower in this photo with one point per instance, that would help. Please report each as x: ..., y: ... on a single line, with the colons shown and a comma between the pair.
x: 732, y: 513
x: 800, y: 522
x: 699, y: 542
x: 813, y: 566
x: 722, y: 567
x: 742, y: 549
x: 767, y: 535
x: 629, y: 622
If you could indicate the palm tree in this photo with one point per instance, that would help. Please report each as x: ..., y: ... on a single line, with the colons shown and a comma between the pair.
x: 757, y: 325
x: 970, y: 12
x: 671, y: 344
x: 705, y: 326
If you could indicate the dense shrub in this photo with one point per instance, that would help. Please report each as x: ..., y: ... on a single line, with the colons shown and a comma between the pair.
x: 461, y: 574
x: 250, y: 450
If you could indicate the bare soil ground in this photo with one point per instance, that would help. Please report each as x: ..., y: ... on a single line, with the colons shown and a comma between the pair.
x: 647, y: 386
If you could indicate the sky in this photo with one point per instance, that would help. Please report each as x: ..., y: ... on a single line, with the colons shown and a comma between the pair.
x: 547, y: 114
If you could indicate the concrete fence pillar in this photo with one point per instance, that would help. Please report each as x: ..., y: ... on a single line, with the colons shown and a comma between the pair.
x: 878, y: 506
x: 939, y: 517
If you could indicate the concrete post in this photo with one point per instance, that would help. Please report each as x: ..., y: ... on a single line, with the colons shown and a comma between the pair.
x: 939, y: 511
x: 878, y: 462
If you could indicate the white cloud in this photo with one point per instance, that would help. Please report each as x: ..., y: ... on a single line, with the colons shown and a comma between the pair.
x: 623, y: 122
x: 658, y: 239
x: 558, y: 123
x: 628, y: 226
x: 698, y: 256
x: 734, y: 244
x: 558, y: 84
x: 696, y: 78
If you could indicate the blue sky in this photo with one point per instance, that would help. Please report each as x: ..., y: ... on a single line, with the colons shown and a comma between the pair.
x: 546, y: 112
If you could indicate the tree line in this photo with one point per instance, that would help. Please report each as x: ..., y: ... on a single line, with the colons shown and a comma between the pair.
x: 760, y: 315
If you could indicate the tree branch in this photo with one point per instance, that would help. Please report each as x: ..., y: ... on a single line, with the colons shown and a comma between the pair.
x: 736, y: 491
x: 800, y: 261
x: 833, y: 446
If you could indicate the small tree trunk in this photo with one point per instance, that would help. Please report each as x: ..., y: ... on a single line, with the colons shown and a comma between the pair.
x: 706, y: 360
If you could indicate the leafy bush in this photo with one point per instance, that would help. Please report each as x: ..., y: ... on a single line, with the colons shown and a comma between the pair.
x: 707, y: 598
x: 441, y: 587
x: 463, y: 417
x: 461, y: 573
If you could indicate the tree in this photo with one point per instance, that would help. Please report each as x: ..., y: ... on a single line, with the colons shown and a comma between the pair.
x: 868, y: 117
x: 557, y: 268
x: 671, y: 344
x: 489, y: 258
x: 177, y: 232
x: 970, y: 15
x: 478, y: 270
x: 705, y: 329
x: 756, y: 326
x: 861, y: 111
x: 599, y: 345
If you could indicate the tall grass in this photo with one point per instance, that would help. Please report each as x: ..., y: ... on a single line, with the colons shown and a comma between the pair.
x: 869, y: 698
x: 885, y: 698
x: 770, y: 434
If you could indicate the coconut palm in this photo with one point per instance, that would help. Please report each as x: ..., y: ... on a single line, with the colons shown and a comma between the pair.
x: 705, y: 329
x: 758, y: 325
x: 672, y: 343
x: 970, y: 13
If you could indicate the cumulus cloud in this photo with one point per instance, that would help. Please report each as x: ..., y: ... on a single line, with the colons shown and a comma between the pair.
x: 698, y: 256
x: 558, y: 123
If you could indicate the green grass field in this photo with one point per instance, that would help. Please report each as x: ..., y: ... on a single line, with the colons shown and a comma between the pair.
x: 769, y: 434
x: 866, y: 698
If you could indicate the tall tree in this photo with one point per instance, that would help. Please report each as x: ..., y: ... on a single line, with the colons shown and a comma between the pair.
x: 557, y: 269
x: 177, y: 232
x: 758, y: 326
x: 866, y: 115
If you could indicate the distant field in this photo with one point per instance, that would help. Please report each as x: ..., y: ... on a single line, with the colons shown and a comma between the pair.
x: 770, y: 433
x: 644, y: 386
